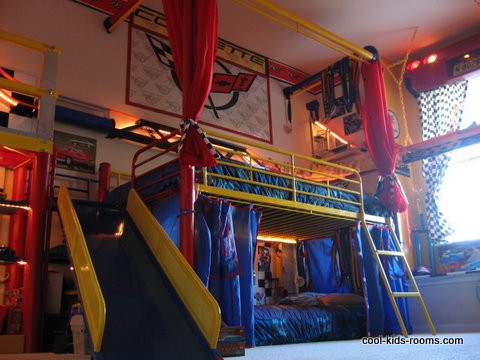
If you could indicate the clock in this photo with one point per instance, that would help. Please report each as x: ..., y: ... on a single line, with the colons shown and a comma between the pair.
x: 396, y: 123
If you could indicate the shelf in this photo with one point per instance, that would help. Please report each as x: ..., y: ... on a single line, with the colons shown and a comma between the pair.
x: 8, y: 207
x: 344, y: 153
x: 7, y: 260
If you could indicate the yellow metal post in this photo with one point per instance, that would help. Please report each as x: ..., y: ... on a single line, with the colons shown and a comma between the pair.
x: 28, y: 43
x: 297, y: 23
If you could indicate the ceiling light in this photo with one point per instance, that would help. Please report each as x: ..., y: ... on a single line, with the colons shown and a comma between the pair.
x: 430, y: 59
x: 323, y: 127
x: 274, y: 239
x: 4, y: 96
x: 413, y: 65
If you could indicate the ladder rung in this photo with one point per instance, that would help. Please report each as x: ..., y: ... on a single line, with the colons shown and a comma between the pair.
x: 390, y: 253
x: 406, y: 294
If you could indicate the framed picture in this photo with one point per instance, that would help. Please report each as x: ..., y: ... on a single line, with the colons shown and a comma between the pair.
x: 239, y: 97
x: 75, y: 152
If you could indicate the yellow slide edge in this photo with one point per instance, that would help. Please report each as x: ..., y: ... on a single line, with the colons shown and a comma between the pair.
x: 199, y: 302
x: 91, y: 295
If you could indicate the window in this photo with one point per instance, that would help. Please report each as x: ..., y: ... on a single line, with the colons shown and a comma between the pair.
x: 460, y: 193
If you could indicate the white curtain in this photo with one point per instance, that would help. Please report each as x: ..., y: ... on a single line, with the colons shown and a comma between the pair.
x: 440, y: 113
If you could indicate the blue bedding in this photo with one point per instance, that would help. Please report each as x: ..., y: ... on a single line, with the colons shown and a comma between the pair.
x: 287, y: 324
x: 281, y: 182
x: 371, y: 203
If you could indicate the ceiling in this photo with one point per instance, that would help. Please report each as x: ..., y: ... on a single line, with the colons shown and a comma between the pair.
x: 386, y: 24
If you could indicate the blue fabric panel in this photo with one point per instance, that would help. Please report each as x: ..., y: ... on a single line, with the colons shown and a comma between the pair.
x: 218, y: 216
x: 382, y: 318
x: 245, y: 221
x: 166, y: 211
x: 396, y: 278
x: 357, y: 249
x: 224, y: 282
x: 203, y: 245
x: 373, y: 287
x: 227, y: 293
x: 323, y: 277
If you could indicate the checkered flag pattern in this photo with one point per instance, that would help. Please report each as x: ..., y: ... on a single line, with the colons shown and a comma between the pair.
x: 266, y: 285
x: 185, y: 127
x: 162, y: 51
x: 440, y: 113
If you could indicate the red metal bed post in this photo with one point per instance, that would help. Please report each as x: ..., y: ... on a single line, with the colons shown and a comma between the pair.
x: 34, y: 252
x: 17, y: 228
x: 105, y: 171
x: 187, y: 198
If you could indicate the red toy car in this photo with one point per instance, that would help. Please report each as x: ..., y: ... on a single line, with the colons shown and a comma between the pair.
x: 71, y: 155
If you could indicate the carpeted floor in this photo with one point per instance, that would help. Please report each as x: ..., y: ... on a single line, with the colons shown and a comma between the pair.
x: 354, y: 349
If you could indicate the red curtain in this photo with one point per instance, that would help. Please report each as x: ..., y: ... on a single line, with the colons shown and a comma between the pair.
x: 379, y: 135
x: 192, y: 30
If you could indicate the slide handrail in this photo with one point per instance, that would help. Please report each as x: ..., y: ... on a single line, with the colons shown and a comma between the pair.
x: 199, y: 302
x: 90, y: 293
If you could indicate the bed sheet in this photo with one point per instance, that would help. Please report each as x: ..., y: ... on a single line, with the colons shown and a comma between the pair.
x: 288, y: 324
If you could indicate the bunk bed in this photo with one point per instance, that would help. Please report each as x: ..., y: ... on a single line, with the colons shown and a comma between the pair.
x: 318, y: 196
x: 293, y: 196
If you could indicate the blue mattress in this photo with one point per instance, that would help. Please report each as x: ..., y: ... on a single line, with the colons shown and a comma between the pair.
x: 287, y: 324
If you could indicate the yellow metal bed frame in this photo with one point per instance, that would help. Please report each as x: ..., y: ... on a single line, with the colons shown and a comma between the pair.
x: 301, y: 221
x: 291, y: 218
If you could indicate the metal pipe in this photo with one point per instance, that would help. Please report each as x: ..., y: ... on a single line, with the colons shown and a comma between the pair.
x: 34, y: 273
x: 187, y: 200
x: 335, y: 39
x: 17, y: 228
x: 105, y: 172
x: 26, y: 89
x: 304, y: 84
x: 295, y: 28
x: 23, y: 41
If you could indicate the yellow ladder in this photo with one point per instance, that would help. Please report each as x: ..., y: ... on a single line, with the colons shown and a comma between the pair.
x: 393, y: 294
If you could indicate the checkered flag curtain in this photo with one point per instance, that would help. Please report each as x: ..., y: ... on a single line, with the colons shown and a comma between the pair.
x: 190, y: 125
x: 440, y: 113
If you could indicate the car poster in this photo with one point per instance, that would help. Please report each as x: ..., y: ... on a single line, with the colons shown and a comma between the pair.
x: 75, y: 152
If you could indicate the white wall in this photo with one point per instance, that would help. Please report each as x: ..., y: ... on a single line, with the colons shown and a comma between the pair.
x: 93, y: 67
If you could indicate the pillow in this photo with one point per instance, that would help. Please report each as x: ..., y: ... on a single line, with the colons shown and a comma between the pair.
x: 305, y: 298
x: 312, y: 298
x: 341, y: 299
